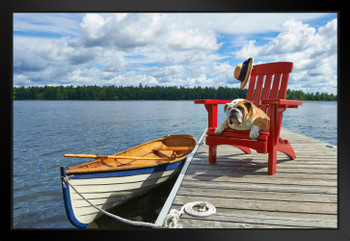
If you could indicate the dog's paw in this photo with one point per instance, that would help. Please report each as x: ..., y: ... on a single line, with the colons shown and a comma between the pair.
x: 218, y: 131
x: 254, y: 132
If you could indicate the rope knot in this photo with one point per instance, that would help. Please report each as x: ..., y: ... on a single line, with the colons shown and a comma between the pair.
x: 172, y: 218
x: 204, y: 208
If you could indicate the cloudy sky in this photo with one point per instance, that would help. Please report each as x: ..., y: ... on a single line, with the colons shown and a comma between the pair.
x: 168, y: 49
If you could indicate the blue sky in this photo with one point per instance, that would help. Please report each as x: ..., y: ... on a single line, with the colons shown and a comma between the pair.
x: 182, y: 49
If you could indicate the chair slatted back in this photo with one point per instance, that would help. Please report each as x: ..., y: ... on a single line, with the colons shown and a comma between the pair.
x: 268, y: 81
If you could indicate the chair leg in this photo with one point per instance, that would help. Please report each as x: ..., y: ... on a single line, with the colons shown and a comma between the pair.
x: 272, y: 162
x: 245, y: 149
x: 212, y: 153
x: 286, y: 148
x: 283, y: 146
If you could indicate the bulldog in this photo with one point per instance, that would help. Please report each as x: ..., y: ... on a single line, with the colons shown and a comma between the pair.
x: 244, y: 115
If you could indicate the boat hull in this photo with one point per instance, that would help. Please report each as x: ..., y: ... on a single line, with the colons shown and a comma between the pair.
x: 109, y: 189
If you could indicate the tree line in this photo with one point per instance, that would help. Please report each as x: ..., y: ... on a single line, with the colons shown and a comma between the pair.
x: 146, y: 93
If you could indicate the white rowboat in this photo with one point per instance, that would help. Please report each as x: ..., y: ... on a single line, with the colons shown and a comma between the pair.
x: 110, y: 181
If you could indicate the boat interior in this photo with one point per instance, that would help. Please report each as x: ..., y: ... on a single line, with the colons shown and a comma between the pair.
x: 169, y: 149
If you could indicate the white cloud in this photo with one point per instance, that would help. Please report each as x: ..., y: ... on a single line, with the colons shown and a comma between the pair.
x: 91, y: 28
x: 238, y: 23
x: 168, y: 48
x: 133, y: 78
x: 313, y: 52
x: 25, y: 58
x: 129, y: 31
x: 120, y: 31
x: 166, y: 74
x: 47, y: 61
x: 23, y: 80
x: 193, y: 39
x: 113, y: 61
x: 65, y: 50
x: 48, y: 23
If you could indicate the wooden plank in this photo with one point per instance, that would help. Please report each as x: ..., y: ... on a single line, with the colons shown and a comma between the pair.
x: 301, y: 149
x: 253, y: 164
x: 263, y: 187
x: 235, y: 217
x: 309, y: 177
x: 218, y: 177
x: 302, y: 194
x: 265, y: 205
x: 252, y: 194
x: 250, y: 169
x: 262, y: 158
x: 194, y: 223
x: 269, y: 214
x: 306, y: 162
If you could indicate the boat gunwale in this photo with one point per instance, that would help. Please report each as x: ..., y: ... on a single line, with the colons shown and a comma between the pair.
x: 78, y: 170
x: 120, y: 168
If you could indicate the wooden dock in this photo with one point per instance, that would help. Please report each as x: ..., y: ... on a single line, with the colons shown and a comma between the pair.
x: 302, y: 194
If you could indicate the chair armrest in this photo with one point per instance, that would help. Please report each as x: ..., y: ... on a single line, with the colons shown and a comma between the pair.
x: 283, y: 103
x: 212, y: 107
x: 211, y: 102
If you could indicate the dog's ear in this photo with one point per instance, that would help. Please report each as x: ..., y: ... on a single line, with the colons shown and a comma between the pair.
x: 248, y: 105
x: 225, y: 107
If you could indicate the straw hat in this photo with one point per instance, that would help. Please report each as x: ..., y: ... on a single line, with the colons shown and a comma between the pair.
x: 242, y: 71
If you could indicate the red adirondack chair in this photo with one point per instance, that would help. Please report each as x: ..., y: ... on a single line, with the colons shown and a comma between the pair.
x: 267, y: 90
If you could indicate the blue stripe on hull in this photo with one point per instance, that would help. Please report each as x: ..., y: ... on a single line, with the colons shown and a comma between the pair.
x: 68, y: 202
x: 131, y: 172
x: 119, y: 173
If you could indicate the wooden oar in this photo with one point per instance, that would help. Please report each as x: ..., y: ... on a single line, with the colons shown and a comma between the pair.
x: 96, y: 156
x: 172, y: 148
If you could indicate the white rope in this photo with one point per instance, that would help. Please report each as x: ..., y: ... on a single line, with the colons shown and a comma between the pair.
x: 205, y: 209
x: 124, y: 220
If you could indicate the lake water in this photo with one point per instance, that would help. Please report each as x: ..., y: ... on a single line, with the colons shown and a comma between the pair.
x: 45, y: 130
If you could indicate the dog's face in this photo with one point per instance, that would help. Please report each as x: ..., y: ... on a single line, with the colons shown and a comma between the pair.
x: 238, y: 111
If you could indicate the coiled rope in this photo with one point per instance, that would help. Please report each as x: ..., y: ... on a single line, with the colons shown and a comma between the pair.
x: 205, y: 209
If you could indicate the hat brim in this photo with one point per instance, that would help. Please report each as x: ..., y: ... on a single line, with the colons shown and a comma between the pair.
x: 249, y: 70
